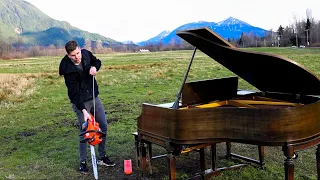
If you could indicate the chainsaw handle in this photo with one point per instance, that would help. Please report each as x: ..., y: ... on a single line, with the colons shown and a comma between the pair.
x: 102, y: 133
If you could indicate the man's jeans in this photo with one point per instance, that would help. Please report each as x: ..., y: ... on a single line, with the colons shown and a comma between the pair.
x: 101, y: 118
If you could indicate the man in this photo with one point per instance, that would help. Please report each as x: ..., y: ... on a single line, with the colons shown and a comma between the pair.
x: 78, y: 68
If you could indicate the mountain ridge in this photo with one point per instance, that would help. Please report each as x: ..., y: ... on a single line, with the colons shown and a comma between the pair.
x: 227, y: 28
x: 20, y: 18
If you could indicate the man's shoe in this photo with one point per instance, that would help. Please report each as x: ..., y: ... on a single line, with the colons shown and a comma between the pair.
x: 105, y: 161
x: 83, y: 168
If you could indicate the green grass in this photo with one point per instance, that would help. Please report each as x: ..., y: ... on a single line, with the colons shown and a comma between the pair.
x: 39, y: 133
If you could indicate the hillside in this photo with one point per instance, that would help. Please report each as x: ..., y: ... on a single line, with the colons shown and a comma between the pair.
x: 20, y: 18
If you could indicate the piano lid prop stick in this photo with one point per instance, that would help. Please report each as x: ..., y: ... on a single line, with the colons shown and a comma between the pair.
x: 176, y: 103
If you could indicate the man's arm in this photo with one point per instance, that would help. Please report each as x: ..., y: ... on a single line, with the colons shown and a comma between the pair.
x: 94, y: 61
x: 86, y: 115
x: 75, y: 95
x: 93, y: 71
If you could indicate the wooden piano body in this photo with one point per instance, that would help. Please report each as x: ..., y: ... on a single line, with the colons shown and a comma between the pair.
x: 285, y: 111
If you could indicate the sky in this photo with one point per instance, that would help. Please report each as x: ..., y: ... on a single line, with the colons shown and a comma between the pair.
x: 140, y: 20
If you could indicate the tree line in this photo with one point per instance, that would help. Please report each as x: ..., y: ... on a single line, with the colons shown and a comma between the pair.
x: 300, y: 33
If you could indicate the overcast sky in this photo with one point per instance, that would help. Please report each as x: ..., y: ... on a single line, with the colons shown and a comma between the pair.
x: 139, y: 20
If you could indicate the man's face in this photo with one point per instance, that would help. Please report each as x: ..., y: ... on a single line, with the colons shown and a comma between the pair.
x: 75, y: 56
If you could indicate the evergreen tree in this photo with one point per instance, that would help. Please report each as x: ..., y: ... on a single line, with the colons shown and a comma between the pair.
x: 307, y: 30
x: 240, y: 41
x: 308, y: 24
x: 280, y: 30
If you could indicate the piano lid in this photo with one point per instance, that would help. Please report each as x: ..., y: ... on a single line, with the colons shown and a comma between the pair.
x: 266, y: 72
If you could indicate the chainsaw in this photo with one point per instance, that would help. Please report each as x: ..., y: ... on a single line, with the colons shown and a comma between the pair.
x: 92, y: 134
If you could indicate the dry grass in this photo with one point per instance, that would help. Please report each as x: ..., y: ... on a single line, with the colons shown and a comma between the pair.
x: 15, y: 87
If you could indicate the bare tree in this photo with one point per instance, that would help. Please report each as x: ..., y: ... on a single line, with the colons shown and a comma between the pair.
x: 172, y: 44
x: 19, y: 44
x: 87, y: 44
x: 5, y: 47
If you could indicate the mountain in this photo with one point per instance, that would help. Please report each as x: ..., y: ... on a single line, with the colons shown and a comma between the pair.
x: 155, y: 39
x: 228, y: 28
x: 19, y: 18
x: 233, y: 28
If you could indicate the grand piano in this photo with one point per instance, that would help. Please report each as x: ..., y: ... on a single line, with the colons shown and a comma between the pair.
x: 283, y: 111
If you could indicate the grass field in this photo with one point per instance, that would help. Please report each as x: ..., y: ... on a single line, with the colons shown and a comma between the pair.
x: 39, y: 130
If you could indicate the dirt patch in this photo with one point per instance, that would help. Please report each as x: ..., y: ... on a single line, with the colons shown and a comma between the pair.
x: 187, y: 166
x: 27, y: 133
x: 112, y: 120
x: 133, y: 66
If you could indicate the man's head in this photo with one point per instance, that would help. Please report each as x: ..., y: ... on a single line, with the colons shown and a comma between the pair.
x: 73, y: 52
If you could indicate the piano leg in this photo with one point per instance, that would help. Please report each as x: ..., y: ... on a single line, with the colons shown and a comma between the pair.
x: 136, y: 143
x: 172, y: 166
x: 288, y: 162
x: 214, y: 156
x: 318, y: 161
x: 149, y: 154
x: 143, y: 159
x: 202, y: 161
x: 261, y: 156
x: 228, y: 156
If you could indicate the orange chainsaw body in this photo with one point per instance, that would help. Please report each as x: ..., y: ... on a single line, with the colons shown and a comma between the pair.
x: 92, y: 133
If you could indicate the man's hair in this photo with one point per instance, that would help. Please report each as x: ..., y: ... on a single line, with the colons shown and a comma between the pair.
x: 71, y: 46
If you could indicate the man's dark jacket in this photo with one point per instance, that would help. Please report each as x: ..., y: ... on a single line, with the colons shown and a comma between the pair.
x: 79, y: 82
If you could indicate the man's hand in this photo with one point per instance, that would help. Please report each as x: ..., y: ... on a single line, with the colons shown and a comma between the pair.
x: 86, y: 115
x: 93, y: 71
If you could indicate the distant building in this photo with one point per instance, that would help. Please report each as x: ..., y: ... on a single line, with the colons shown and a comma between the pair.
x: 144, y: 50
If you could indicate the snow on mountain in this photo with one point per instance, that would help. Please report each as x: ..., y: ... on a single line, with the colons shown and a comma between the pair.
x: 164, y: 33
x: 155, y: 39
x: 231, y: 21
